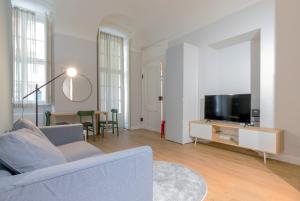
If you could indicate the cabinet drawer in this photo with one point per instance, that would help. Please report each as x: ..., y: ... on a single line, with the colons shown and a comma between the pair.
x: 258, y: 140
x: 201, y: 131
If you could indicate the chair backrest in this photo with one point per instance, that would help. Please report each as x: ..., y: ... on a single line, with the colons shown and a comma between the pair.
x: 114, y: 114
x: 87, y: 113
x: 48, y: 118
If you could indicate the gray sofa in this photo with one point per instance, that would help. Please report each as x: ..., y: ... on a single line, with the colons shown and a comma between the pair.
x: 89, y: 175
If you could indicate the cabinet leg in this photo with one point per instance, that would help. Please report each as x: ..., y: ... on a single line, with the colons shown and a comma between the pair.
x: 265, y: 158
x: 195, y: 140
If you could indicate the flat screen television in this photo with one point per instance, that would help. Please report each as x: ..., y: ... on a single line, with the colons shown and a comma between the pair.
x: 236, y: 108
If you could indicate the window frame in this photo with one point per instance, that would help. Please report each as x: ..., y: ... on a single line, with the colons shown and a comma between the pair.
x: 40, y: 19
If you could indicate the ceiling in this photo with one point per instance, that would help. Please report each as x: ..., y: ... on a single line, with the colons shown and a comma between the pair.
x: 146, y: 21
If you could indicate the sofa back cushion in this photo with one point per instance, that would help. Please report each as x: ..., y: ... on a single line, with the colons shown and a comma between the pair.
x: 23, y: 123
x: 24, y: 151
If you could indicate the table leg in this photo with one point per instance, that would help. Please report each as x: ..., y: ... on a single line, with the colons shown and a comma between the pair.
x: 52, y: 120
x: 97, y: 117
x: 265, y: 158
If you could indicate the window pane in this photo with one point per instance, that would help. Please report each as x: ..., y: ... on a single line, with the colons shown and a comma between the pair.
x: 111, y: 71
x: 37, y: 73
x: 40, y: 50
x: 40, y: 31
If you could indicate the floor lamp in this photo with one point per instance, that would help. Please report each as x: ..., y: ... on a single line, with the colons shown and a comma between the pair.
x: 70, y: 72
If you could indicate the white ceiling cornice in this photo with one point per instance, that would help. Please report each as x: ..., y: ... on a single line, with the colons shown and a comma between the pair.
x: 42, y: 6
x: 147, y: 21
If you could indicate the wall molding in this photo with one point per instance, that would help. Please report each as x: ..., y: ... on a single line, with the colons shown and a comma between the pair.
x: 287, y: 158
x: 137, y: 127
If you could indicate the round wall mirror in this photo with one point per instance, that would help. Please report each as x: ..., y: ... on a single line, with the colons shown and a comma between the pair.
x: 78, y: 88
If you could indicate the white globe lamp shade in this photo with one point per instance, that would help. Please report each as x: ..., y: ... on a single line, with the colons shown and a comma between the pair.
x: 71, y: 72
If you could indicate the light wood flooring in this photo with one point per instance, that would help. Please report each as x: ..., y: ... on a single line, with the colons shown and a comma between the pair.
x: 230, y: 174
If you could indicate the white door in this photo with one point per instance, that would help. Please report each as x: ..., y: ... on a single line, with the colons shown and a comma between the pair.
x: 151, y: 91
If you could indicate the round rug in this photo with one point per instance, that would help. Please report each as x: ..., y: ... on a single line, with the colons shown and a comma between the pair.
x: 174, y: 182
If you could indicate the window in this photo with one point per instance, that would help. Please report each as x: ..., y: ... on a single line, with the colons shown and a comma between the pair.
x: 30, y: 55
x: 111, y: 72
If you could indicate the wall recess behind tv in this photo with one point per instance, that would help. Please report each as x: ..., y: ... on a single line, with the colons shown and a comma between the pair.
x: 234, y: 63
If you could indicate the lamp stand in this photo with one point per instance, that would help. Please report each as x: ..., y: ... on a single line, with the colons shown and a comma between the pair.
x: 36, y: 96
x: 36, y: 105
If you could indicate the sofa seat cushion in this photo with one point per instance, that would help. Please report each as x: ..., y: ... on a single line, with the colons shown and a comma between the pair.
x: 79, y: 150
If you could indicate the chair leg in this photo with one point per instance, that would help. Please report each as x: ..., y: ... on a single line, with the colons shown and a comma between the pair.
x: 94, y: 135
x: 113, y: 128
x: 87, y: 133
x: 102, y: 132
x: 117, y: 129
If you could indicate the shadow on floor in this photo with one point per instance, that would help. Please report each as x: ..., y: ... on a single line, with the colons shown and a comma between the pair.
x: 288, y: 172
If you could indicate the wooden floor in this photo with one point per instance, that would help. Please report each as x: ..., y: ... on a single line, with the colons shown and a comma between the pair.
x: 230, y: 175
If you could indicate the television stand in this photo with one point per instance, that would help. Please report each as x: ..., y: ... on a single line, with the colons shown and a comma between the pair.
x: 208, y: 120
x: 265, y: 140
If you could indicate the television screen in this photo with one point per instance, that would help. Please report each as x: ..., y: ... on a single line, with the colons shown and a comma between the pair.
x: 235, y: 108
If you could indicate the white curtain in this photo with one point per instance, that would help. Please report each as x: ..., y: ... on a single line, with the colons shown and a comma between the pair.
x: 49, y: 59
x: 32, y: 55
x: 24, y: 33
x: 111, y: 58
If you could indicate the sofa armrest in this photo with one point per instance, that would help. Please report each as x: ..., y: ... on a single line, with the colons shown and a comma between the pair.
x: 120, y: 176
x: 64, y: 134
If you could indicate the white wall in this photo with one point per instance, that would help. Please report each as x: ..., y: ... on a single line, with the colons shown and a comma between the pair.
x: 135, y: 89
x: 287, y: 94
x: 234, y: 69
x: 260, y: 17
x: 5, y: 66
x: 71, y: 51
x: 255, y: 73
x: 81, y: 53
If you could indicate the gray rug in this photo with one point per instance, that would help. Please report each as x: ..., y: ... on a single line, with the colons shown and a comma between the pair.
x: 174, y: 182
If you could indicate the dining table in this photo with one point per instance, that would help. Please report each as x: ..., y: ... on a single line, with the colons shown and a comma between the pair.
x: 56, y: 115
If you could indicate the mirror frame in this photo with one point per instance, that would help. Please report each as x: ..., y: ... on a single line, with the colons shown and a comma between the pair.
x: 79, y: 74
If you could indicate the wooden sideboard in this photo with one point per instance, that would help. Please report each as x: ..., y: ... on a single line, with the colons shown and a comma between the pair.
x: 265, y: 140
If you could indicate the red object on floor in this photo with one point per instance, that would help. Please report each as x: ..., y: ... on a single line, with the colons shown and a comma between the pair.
x: 162, y: 129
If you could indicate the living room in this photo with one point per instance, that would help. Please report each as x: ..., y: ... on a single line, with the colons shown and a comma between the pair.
x: 137, y: 100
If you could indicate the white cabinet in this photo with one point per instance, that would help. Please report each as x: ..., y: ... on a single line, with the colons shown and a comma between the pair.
x: 201, y: 131
x: 266, y: 140
x: 181, y: 91
x: 258, y: 140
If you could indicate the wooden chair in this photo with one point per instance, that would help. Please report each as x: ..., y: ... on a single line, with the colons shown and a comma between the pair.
x: 48, y: 118
x: 102, y: 124
x: 114, y: 120
x: 87, y: 125
x: 113, y: 123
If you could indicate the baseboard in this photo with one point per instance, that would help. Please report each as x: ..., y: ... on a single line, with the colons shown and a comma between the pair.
x: 287, y: 158
x: 135, y: 127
